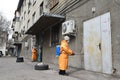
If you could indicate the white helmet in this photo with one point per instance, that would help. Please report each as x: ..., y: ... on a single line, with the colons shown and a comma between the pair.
x: 67, y: 38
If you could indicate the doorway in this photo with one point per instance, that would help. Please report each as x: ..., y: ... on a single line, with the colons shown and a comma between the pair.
x: 97, y: 44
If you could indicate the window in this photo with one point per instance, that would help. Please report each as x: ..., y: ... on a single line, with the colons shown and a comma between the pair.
x: 24, y: 3
x: 16, y: 35
x: 29, y: 3
x: 34, y: 1
x: 21, y: 20
x: 17, y: 16
x: 33, y: 17
x: 28, y: 11
x: 24, y: 15
x: 53, y: 3
x: 23, y: 30
x: 20, y: 35
x: 17, y: 19
x: 54, y: 36
x: 28, y: 24
x: 41, y: 8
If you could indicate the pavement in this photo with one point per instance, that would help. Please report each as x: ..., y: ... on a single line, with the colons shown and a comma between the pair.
x: 10, y: 70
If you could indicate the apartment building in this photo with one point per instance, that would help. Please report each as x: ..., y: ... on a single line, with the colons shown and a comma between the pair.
x: 27, y: 13
x: 93, y: 26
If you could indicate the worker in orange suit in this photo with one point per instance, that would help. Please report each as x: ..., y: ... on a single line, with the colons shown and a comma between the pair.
x: 34, y: 54
x: 65, y: 51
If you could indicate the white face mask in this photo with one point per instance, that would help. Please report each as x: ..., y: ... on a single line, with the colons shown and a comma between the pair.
x: 68, y: 41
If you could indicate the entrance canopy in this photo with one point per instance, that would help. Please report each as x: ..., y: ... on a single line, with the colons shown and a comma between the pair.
x: 17, y: 43
x: 44, y: 22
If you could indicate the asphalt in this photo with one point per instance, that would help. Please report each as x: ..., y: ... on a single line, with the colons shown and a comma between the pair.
x: 10, y: 70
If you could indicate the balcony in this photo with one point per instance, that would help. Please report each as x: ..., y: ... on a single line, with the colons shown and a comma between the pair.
x: 16, y: 38
x: 25, y: 37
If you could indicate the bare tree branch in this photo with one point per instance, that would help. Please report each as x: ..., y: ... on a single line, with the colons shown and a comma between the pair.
x: 4, y: 24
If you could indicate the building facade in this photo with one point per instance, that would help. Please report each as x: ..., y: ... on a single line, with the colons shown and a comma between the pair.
x: 3, y: 41
x: 93, y: 26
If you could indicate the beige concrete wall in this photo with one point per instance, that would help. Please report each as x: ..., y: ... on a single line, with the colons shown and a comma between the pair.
x: 80, y: 13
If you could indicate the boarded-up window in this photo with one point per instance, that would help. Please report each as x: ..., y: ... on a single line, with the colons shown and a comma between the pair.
x: 53, y: 3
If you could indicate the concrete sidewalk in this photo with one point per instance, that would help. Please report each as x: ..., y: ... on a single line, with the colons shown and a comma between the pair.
x: 81, y: 74
x: 10, y: 70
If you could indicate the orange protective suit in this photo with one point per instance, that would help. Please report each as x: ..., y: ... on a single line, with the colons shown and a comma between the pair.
x: 34, y: 54
x: 65, y: 52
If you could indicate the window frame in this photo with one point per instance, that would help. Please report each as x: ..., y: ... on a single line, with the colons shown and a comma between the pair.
x: 54, y: 36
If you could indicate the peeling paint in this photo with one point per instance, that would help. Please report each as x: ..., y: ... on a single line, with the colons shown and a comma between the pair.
x: 93, y: 59
x: 97, y: 44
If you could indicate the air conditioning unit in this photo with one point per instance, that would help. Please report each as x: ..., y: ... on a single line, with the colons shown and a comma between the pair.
x: 68, y: 27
